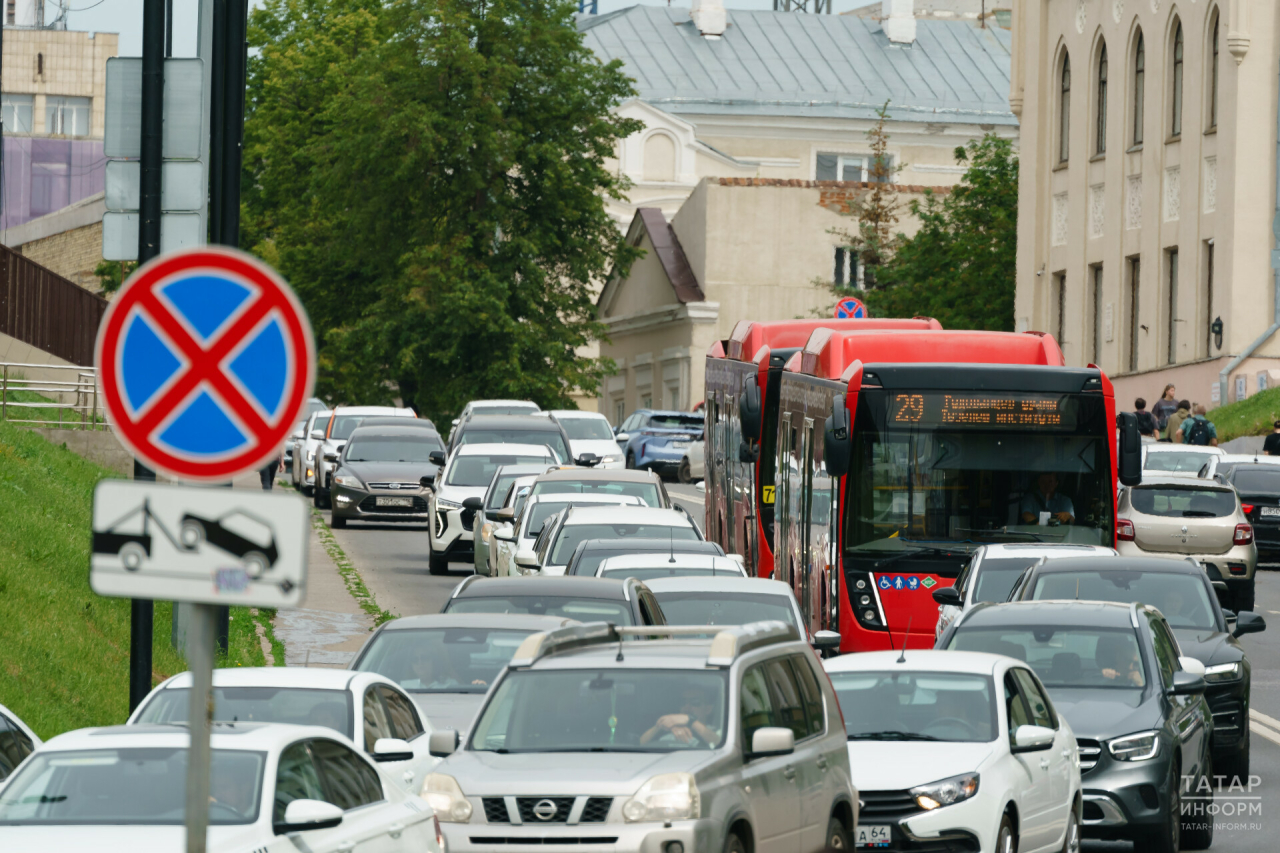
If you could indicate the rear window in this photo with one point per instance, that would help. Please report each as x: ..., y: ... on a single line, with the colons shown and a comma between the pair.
x: 1178, y: 461
x: 587, y: 429
x: 1254, y: 480
x: 1172, y: 502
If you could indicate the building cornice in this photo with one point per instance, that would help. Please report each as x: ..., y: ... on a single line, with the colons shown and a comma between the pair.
x: 695, y: 312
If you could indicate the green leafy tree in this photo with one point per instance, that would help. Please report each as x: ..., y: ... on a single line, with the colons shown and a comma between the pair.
x: 112, y: 274
x: 959, y: 267
x: 873, y: 242
x: 430, y: 176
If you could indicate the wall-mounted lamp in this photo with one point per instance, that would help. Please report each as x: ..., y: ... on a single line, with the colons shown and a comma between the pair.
x: 1040, y: 271
x: 1216, y: 328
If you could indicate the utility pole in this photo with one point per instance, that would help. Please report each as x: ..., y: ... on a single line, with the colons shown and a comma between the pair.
x: 142, y: 613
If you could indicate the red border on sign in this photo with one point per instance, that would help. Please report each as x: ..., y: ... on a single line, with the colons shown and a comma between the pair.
x: 274, y: 297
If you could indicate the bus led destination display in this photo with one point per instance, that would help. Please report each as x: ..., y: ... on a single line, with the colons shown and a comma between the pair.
x: 1020, y: 411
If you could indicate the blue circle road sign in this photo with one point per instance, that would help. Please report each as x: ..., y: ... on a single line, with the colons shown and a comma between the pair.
x: 205, y: 360
x: 851, y: 308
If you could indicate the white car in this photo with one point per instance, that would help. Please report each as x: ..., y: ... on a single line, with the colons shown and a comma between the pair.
x: 493, y: 407
x: 693, y: 466
x: 1227, y: 460
x: 343, y: 422
x: 589, y: 432
x: 304, y: 452
x: 993, y: 570
x: 272, y: 787
x: 365, y: 707
x: 556, y: 544
x: 1177, y: 460
x: 655, y: 565
x: 467, y: 473
x: 299, y: 434
x: 727, y: 601
x: 957, y: 748
x: 494, y: 502
x: 501, y: 550
x: 537, y: 511
x: 16, y: 742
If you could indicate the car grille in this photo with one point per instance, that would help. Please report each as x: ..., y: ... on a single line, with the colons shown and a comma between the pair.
x: 1227, y: 718
x: 878, y: 805
x: 1089, y: 752
x: 594, y: 810
x: 370, y: 504
x: 402, y: 487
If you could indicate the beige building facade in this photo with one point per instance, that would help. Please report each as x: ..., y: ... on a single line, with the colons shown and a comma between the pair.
x: 55, y: 81
x: 1148, y: 189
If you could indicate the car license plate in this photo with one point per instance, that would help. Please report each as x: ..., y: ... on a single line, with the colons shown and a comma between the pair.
x: 1271, y: 511
x: 875, y: 836
x: 395, y: 502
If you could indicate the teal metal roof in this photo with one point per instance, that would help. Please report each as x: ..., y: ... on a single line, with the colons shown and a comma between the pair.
x: 795, y: 64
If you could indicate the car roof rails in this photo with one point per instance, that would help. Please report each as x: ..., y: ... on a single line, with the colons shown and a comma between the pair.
x: 727, y: 644
x: 466, y: 582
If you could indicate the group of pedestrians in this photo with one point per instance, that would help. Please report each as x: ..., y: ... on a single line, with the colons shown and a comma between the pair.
x: 1174, y: 420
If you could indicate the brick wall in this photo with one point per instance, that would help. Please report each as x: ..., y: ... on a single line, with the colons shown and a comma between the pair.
x: 72, y: 254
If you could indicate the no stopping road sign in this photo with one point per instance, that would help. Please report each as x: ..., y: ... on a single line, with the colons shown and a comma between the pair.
x: 205, y: 360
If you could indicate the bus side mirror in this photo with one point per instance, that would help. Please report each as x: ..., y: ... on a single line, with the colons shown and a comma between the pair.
x: 749, y: 410
x: 837, y: 440
x: 1129, y: 457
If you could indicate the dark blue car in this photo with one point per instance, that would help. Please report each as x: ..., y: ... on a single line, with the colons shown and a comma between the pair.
x: 656, y: 440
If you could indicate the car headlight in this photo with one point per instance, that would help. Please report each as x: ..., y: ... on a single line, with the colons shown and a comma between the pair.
x: 1223, y: 672
x: 945, y: 792
x: 445, y: 796
x: 441, y: 503
x: 1137, y: 747
x: 348, y: 480
x: 670, y: 796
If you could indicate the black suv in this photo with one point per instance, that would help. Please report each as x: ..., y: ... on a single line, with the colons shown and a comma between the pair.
x: 1141, y: 721
x: 1259, y: 487
x: 1188, y: 599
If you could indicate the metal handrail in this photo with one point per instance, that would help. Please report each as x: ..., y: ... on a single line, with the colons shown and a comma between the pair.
x: 82, y: 406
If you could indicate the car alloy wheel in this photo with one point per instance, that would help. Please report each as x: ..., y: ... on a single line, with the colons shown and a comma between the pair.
x: 1071, y: 843
x: 1006, y: 841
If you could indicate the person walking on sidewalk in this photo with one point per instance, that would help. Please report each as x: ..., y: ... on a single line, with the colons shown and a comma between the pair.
x: 1271, y: 446
x: 1176, y: 419
x: 1164, y: 407
x: 1197, y: 430
x: 268, y: 473
x: 1147, y: 426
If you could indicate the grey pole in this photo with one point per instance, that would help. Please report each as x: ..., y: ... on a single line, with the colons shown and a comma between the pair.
x: 199, y: 723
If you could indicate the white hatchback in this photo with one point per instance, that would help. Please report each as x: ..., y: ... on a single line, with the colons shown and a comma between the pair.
x: 589, y: 432
x: 957, y: 750
x: 272, y: 787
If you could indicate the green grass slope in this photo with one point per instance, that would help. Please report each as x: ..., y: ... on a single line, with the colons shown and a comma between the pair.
x: 1250, y: 416
x: 64, y: 651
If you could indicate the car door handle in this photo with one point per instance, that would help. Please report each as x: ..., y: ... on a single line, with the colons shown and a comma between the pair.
x: 1066, y: 753
x: 408, y: 777
x: 395, y: 829
x: 1044, y: 764
x: 822, y: 762
x: 789, y: 772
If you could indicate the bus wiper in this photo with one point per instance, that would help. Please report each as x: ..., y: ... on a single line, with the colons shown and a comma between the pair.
x: 915, y: 551
x: 891, y: 735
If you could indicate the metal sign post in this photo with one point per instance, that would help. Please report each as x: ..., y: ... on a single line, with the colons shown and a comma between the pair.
x: 200, y: 654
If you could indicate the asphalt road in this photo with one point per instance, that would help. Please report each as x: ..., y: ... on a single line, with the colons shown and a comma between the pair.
x: 393, y: 562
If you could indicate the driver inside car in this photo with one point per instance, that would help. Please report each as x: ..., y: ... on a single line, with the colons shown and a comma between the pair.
x: 687, y: 725
x: 1045, y: 497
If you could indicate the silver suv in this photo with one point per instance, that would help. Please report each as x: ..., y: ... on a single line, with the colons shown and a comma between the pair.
x: 678, y: 743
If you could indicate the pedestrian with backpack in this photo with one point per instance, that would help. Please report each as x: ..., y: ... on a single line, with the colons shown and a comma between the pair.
x: 1197, y: 429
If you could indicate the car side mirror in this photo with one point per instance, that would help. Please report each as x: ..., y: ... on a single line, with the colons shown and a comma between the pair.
x: 297, y: 435
x: 505, y: 533
x: 749, y: 410
x: 436, y: 457
x: 623, y: 437
x: 948, y: 595
x: 317, y: 434
x: 588, y: 460
x: 527, y: 559
x: 473, y: 504
x: 1032, y: 738
x: 1186, y: 684
x: 826, y: 641
x: 392, y: 749
x: 1248, y: 622
x: 772, y: 740
x: 302, y: 815
x: 427, y: 481
x: 443, y: 743
x: 837, y: 439
x: 1129, y: 456
x: 1191, y: 665
x: 506, y: 514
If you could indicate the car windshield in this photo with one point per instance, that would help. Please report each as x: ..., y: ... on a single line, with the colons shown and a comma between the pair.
x: 442, y: 660
x: 646, y: 492
x: 917, y: 706
x: 724, y: 608
x: 550, y: 437
x: 684, y: 422
x: 1173, y: 502
x: 476, y: 471
x: 1182, y: 599
x: 614, y: 710
x: 587, y: 429
x: 128, y: 787
x: 381, y: 449
x: 344, y: 425
x: 649, y: 573
x: 322, y: 424
x: 995, y: 578
x: 572, y: 534
x: 1176, y: 461
x: 1256, y: 481
x: 1064, y: 656
x: 569, y: 607
x: 295, y: 705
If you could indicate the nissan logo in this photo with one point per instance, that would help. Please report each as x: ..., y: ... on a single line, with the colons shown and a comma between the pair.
x: 545, y: 810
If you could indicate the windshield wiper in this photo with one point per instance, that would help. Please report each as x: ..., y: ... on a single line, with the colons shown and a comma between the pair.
x: 891, y: 735
x: 1198, y: 513
x: 915, y: 551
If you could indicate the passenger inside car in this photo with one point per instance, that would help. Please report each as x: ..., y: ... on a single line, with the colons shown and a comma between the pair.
x: 1119, y: 661
x: 697, y: 704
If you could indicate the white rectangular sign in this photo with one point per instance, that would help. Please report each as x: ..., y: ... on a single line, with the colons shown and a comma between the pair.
x: 203, y: 545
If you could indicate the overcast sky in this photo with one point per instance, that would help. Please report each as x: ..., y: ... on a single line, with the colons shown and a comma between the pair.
x: 125, y: 17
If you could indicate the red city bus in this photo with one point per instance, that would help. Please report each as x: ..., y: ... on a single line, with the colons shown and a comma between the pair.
x: 739, y: 479
x: 900, y: 453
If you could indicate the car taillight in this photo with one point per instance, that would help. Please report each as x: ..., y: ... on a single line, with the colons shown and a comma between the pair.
x: 1248, y: 508
x: 1244, y: 534
x: 1124, y: 530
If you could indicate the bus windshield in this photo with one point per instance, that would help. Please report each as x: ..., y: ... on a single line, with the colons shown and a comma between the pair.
x: 954, y: 468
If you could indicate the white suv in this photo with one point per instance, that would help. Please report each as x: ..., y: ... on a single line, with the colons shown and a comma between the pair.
x: 464, y: 478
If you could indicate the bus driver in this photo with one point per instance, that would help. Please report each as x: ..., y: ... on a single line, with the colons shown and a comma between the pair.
x: 1045, y: 498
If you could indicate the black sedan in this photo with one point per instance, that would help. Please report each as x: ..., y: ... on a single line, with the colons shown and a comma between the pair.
x: 1141, y: 721
x: 1259, y: 488
x: 1185, y: 594
x: 380, y: 472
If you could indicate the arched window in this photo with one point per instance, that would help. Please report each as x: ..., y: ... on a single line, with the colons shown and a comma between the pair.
x: 1139, y: 81
x: 1176, y: 125
x: 1064, y: 110
x: 1101, y: 143
x: 1213, y: 83
x: 659, y: 158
